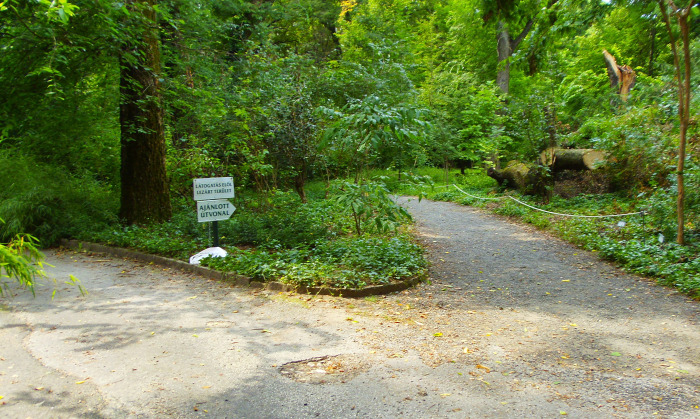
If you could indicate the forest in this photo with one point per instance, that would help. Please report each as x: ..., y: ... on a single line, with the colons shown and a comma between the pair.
x: 322, y: 110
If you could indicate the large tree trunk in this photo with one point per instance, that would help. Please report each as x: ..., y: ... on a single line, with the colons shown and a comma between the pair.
x: 506, y: 46
x: 144, y: 187
x: 559, y: 159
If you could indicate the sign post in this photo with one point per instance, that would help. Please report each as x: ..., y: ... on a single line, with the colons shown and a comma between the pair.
x: 212, y: 196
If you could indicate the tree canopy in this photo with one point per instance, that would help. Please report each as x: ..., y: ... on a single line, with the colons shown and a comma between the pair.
x: 135, y: 99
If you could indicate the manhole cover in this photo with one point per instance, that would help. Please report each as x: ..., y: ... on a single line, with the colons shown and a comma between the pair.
x: 324, y: 369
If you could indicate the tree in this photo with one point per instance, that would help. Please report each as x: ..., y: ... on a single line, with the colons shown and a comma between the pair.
x: 144, y: 187
x: 683, y: 80
x: 509, y: 14
x: 371, y: 130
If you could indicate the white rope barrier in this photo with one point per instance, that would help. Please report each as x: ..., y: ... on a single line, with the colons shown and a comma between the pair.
x: 476, y: 197
x: 545, y: 211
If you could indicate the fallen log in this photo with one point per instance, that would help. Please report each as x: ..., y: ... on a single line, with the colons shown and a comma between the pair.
x: 514, y: 175
x: 558, y: 159
x: 529, y: 180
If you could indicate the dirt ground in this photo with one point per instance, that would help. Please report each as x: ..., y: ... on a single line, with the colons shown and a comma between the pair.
x: 512, y: 323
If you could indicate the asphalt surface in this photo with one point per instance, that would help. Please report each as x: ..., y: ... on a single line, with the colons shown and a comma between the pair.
x: 513, y: 323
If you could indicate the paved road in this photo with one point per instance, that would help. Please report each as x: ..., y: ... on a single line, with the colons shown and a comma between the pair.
x: 513, y: 324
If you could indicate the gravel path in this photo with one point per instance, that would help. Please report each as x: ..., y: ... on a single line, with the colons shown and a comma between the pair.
x: 557, y: 320
x: 513, y: 324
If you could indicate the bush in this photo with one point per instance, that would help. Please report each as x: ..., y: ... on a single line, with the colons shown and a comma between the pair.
x: 342, y: 263
x: 285, y: 222
x: 48, y: 202
x: 20, y: 261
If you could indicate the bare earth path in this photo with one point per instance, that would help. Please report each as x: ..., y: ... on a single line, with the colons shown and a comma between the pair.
x: 513, y: 324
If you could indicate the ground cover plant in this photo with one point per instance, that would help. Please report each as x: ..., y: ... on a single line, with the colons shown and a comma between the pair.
x: 277, y: 237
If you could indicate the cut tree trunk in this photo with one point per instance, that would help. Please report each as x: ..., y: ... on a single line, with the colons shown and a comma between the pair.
x: 529, y: 180
x: 514, y: 175
x: 559, y: 159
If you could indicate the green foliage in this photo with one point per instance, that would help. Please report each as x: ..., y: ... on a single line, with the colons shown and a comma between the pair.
x: 21, y: 262
x: 342, y: 263
x: 49, y: 203
x: 284, y: 222
x: 294, y: 242
x: 372, y: 131
x: 250, y: 88
x: 371, y: 206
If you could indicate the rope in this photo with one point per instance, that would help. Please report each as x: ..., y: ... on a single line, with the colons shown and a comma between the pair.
x: 549, y: 212
x: 476, y: 197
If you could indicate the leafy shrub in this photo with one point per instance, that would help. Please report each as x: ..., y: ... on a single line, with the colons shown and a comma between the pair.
x: 286, y: 223
x: 21, y: 261
x: 49, y: 203
x: 370, y: 205
x: 342, y: 263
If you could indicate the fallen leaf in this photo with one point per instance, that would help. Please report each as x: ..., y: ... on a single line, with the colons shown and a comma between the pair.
x: 481, y: 367
x: 438, y: 334
x: 615, y: 354
x: 445, y: 395
x: 206, y: 386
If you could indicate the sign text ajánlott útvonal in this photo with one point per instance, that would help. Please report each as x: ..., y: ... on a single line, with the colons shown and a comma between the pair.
x: 214, y: 210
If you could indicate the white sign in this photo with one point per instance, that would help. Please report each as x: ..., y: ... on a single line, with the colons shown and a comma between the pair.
x: 216, y: 252
x: 213, y: 188
x: 214, y: 210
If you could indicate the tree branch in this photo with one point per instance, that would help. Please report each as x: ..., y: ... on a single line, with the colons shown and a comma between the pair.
x: 515, y: 42
x: 19, y: 17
